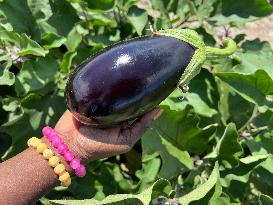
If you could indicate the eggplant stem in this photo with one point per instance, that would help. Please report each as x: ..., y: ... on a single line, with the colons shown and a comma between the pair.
x: 229, y: 48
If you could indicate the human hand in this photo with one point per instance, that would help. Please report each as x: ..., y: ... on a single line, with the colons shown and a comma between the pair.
x: 89, y: 143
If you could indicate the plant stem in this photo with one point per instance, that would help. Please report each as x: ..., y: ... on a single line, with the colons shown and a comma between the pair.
x: 229, y: 48
x: 255, y: 113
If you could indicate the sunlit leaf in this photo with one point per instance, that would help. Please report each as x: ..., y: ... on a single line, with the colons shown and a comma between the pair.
x: 228, y: 149
x: 138, y: 18
x: 201, y: 191
x: 160, y: 187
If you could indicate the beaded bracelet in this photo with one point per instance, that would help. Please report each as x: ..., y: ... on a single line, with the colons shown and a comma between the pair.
x: 53, y: 160
x: 63, y: 150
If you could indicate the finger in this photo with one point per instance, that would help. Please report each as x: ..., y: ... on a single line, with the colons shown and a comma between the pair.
x: 139, y: 127
x: 66, y: 123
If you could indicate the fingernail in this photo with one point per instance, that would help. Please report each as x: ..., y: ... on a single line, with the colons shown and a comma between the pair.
x: 158, y: 113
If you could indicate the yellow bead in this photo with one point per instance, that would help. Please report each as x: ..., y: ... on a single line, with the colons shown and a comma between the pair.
x: 32, y: 141
x: 53, y: 161
x: 64, y: 177
x: 48, y: 153
x: 66, y: 183
x: 35, y: 144
x: 59, y: 169
x: 41, y: 148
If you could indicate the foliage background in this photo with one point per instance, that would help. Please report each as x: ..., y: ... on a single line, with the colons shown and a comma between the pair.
x: 212, y: 146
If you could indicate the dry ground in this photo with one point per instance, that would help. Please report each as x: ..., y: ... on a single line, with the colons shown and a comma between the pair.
x: 262, y: 29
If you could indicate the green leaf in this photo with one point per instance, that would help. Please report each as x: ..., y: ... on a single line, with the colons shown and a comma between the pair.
x: 265, y: 119
x: 38, y: 111
x: 224, y: 199
x: 63, y: 18
x: 245, y: 110
x: 205, y: 85
x: 163, y: 5
x: 3, y: 57
x: 138, y: 18
x: 74, y: 39
x: 99, y: 40
x: 257, y: 55
x: 20, y: 17
x: 4, y: 24
x: 205, y: 9
x: 235, y: 13
x: 159, y: 5
x: 159, y: 188
x: 223, y: 104
x: 253, y: 87
x: 241, y: 173
x: 228, y: 149
x: 170, y: 135
x: 30, y: 47
x: 102, y: 5
x: 40, y: 9
x: 201, y: 191
x: 52, y: 40
x: 25, y: 45
x: 174, y: 160
x: 252, y: 77
x: 148, y: 173
x: 199, y: 105
x: 265, y: 200
x: 6, y: 77
x: 10, y: 104
x: 163, y: 22
x: 255, y: 158
x: 102, y: 179
x: 178, y: 101
x: 66, y: 62
x: 235, y: 180
x: 42, y: 41
x: 207, y: 37
x: 261, y: 144
x: 129, y: 3
x: 101, y: 19
x: 261, y: 177
x: 36, y: 74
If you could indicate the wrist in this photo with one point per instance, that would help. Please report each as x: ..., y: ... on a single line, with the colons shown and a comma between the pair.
x: 65, y: 151
x: 68, y: 130
x: 62, y: 160
x: 71, y: 140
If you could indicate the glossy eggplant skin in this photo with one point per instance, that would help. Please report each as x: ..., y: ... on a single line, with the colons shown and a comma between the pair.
x: 124, y: 81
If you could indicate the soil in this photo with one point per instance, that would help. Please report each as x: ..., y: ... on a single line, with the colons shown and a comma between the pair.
x: 262, y: 28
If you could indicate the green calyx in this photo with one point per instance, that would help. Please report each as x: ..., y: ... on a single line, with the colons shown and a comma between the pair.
x: 229, y: 48
x: 202, y: 52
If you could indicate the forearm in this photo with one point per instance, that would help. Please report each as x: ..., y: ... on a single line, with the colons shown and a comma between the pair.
x: 26, y: 177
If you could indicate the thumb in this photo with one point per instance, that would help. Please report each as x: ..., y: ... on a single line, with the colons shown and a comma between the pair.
x: 139, y: 127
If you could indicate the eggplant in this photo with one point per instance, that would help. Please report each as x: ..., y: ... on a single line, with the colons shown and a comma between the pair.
x: 124, y: 81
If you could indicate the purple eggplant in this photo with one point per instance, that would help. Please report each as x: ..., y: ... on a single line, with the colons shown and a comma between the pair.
x: 126, y: 80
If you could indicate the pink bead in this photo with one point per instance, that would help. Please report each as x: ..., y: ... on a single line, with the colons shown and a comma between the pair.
x: 46, y: 131
x: 62, y: 148
x: 80, y: 171
x: 68, y: 156
x: 56, y: 141
x: 51, y: 136
x: 75, y: 163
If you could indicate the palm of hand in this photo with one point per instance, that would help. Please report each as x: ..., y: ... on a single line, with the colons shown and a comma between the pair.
x: 90, y: 143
